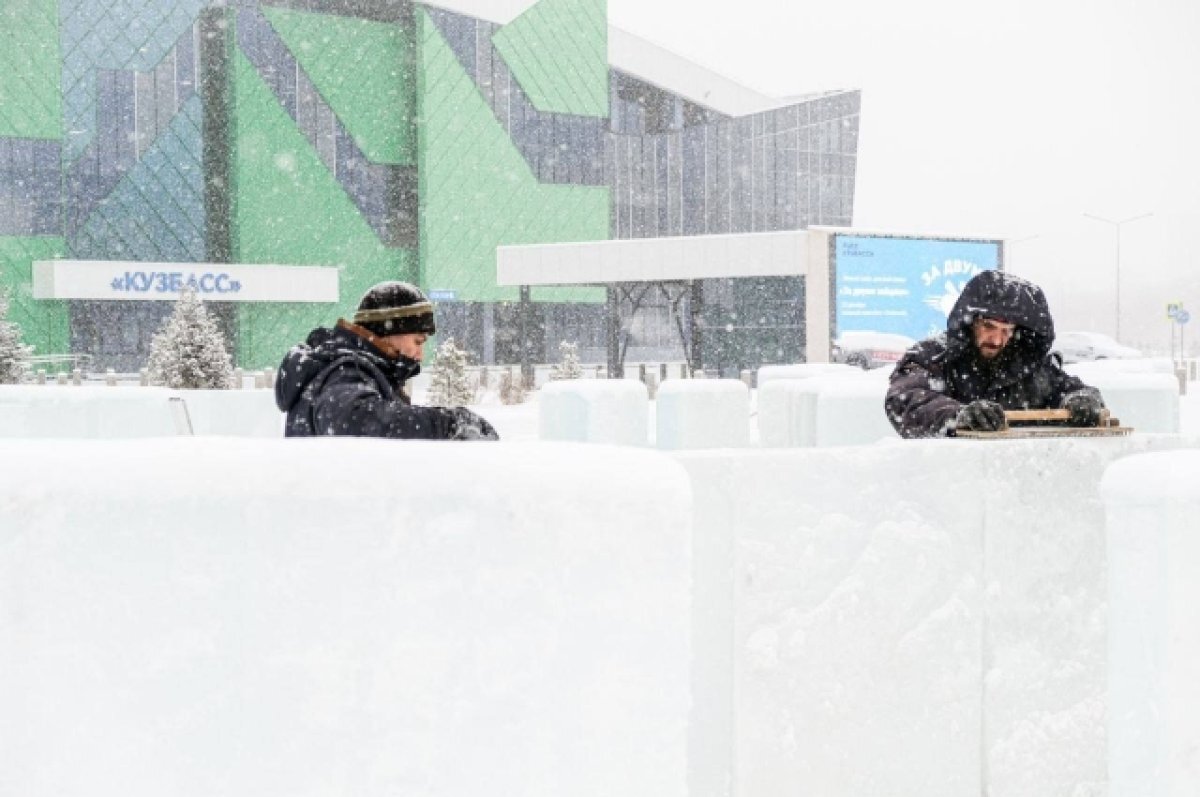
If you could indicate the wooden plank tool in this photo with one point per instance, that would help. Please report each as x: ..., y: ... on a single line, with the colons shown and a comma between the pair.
x: 1025, y: 424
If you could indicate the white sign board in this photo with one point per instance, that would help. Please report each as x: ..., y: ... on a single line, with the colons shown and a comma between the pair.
x: 220, y: 282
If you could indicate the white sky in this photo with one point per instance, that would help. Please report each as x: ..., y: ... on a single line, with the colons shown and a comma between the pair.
x: 1011, y: 119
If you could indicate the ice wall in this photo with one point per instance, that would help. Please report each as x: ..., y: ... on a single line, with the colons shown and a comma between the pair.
x: 89, y: 412
x: 237, y: 413
x: 106, y: 413
x: 1153, y: 504
x: 201, y: 616
x: 914, y: 618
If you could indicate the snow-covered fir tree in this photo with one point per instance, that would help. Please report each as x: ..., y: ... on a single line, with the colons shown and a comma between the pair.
x: 188, y: 351
x: 14, y: 355
x: 450, y: 384
x: 568, y: 366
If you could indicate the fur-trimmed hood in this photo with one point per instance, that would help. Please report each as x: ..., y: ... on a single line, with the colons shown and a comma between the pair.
x: 995, y: 294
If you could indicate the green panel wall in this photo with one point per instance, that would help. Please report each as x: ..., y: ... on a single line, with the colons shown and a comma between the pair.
x: 364, y: 70
x: 558, y: 50
x: 477, y: 192
x: 44, y: 323
x: 30, y: 105
x: 289, y: 210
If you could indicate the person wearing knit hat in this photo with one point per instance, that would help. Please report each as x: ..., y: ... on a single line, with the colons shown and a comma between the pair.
x: 350, y: 380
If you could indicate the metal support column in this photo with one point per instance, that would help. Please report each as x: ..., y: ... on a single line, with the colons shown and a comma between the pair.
x: 216, y: 48
x: 525, y: 325
x: 696, y: 309
x: 615, y: 369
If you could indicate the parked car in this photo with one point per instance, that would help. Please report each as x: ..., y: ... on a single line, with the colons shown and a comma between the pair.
x: 870, y: 349
x: 1076, y: 347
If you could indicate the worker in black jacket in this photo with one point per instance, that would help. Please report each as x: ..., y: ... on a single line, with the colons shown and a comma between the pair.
x: 349, y: 380
x: 994, y: 356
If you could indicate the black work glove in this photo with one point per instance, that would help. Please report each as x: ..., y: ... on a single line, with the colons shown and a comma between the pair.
x: 466, y: 425
x: 980, y: 415
x: 1084, y: 406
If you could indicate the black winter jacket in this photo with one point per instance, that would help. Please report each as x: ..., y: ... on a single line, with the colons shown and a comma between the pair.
x: 937, y: 376
x: 339, y: 383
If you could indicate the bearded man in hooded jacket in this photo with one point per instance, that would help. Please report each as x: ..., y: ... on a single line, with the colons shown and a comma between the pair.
x: 350, y: 380
x: 994, y: 356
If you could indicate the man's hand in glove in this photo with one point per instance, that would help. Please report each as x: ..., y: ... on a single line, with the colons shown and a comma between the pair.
x: 469, y: 426
x: 980, y: 416
x: 1084, y: 406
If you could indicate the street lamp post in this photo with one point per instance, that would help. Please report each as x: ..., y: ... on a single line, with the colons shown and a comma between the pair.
x: 1118, y: 223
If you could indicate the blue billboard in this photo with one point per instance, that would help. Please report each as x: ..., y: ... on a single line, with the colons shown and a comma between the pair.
x: 903, y: 285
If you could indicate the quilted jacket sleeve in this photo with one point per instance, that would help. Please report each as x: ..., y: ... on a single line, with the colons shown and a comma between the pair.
x: 916, y: 403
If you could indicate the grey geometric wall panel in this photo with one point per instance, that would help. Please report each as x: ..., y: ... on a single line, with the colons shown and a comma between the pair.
x: 384, y: 193
x: 559, y: 148
x: 123, y: 35
x: 30, y: 194
x: 131, y: 111
x: 156, y: 210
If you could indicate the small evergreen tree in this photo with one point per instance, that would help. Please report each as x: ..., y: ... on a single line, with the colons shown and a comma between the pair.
x: 188, y: 350
x: 14, y: 355
x: 568, y: 366
x: 450, y: 385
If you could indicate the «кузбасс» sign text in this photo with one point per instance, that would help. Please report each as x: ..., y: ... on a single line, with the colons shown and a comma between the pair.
x: 145, y: 281
x: 175, y: 282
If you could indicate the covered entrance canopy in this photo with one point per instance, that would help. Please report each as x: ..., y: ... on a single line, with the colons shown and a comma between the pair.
x: 677, y: 264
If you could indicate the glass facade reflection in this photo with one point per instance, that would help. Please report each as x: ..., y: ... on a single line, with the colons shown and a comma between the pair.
x: 302, y: 132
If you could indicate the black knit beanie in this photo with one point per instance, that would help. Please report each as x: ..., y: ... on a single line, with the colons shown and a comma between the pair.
x: 395, y: 308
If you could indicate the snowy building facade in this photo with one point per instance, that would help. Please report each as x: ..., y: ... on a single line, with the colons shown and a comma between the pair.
x: 391, y: 140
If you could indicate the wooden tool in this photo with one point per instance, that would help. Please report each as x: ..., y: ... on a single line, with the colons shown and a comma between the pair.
x: 1048, y: 423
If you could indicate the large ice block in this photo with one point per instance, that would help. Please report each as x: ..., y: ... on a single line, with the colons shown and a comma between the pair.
x: 702, y: 413
x: 595, y: 411
x: 914, y: 618
x: 1153, y: 505
x: 839, y: 624
x: 1148, y: 401
x: 199, y: 616
x: 787, y: 413
x: 850, y: 412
